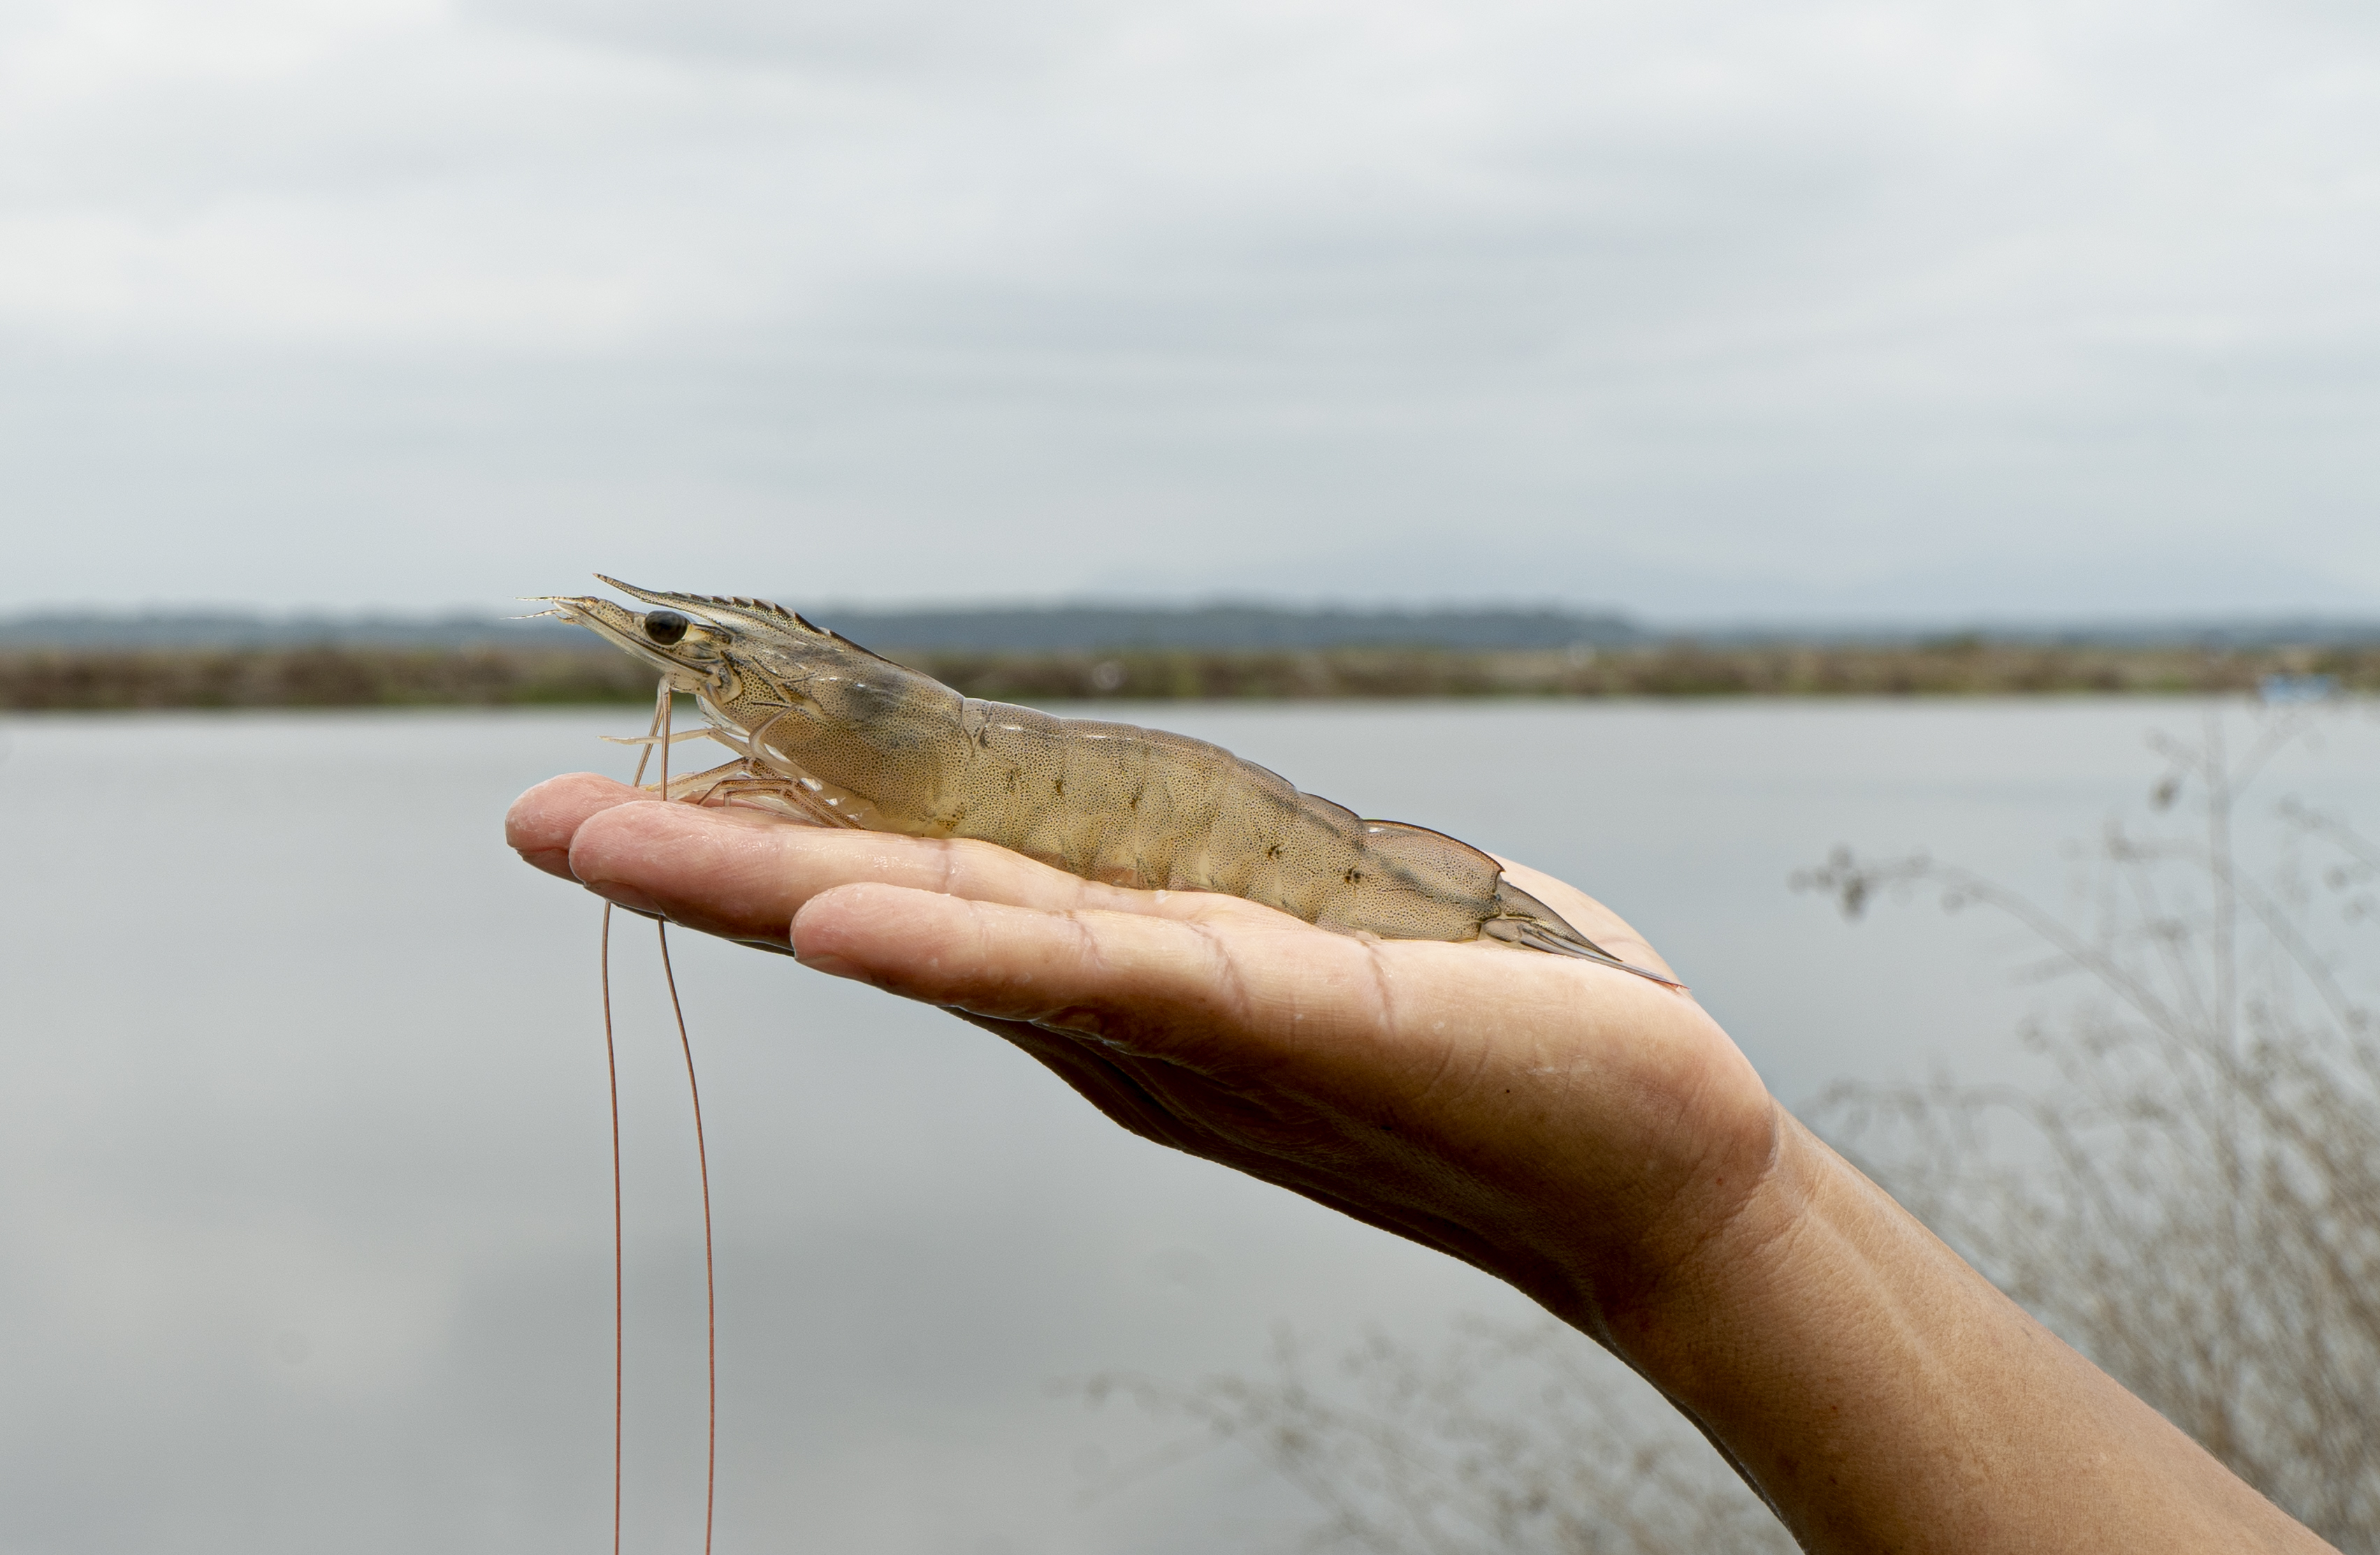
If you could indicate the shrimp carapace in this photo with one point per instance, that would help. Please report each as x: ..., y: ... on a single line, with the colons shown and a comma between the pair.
x: 830, y: 732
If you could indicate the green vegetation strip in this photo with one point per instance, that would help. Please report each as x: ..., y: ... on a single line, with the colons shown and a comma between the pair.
x: 357, y: 676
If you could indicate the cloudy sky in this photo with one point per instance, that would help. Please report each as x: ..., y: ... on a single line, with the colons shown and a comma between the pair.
x: 1700, y: 309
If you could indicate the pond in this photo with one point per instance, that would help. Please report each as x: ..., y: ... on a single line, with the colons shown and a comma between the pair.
x: 305, y: 1231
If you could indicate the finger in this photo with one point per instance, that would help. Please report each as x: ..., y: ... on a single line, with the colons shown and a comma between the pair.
x: 744, y: 874
x: 1221, y: 985
x: 542, y: 821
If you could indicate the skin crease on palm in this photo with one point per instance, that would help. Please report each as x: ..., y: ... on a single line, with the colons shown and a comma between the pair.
x: 1592, y: 1138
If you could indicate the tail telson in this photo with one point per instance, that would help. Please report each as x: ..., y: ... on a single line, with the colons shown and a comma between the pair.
x: 1524, y: 920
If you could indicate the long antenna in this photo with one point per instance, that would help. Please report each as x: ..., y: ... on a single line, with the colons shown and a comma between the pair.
x: 619, y: 1249
x: 702, y: 1161
x: 709, y: 1268
x: 619, y: 1213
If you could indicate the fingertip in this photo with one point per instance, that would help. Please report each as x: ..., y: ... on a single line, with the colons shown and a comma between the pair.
x: 542, y: 823
x: 545, y: 816
x: 550, y: 860
x: 887, y: 936
x: 603, y: 838
x: 851, y: 919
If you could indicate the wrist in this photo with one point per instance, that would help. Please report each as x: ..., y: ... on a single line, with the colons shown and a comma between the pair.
x: 1880, y: 1393
x: 1686, y: 1327
x: 1686, y: 1167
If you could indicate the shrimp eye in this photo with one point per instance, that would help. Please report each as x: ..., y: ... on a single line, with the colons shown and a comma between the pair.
x: 664, y: 627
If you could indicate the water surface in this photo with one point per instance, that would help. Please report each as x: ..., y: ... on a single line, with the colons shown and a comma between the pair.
x: 304, y: 1215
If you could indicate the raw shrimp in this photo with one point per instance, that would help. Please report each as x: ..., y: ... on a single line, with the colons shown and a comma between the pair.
x: 830, y: 733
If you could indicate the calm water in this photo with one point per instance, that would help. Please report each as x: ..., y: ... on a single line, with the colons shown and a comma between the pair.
x: 304, y: 1220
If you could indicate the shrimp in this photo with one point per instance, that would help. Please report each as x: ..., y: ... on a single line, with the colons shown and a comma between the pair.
x: 827, y: 733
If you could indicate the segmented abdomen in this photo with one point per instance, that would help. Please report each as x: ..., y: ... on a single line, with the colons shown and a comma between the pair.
x: 1145, y: 808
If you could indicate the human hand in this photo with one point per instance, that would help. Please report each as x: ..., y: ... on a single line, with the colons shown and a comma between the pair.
x: 1571, y: 1128
x: 1590, y: 1136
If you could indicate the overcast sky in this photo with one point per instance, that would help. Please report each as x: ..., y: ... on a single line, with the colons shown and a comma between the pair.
x: 1700, y: 309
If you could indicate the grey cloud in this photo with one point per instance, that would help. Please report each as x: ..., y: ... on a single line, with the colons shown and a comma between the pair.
x: 808, y: 35
x: 1845, y: 309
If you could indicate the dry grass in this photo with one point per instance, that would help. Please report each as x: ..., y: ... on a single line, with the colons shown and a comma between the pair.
x: 1504, y: 1442
x: 2197, y: 1208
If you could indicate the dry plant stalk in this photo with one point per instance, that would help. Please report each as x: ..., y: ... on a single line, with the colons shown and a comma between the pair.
x: 1506, y: 1442
x: 2198, y: 1207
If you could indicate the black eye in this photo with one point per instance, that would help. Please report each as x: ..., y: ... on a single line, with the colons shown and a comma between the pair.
x: 664, y: 626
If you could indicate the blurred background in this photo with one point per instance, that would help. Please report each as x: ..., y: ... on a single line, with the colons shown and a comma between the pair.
x: 1830, y: 446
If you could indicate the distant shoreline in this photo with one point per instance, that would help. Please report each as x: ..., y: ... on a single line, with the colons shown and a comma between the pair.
x: 1215, y: 627
x: 355, y: 676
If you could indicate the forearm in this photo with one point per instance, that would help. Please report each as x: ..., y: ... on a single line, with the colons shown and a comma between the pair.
x: 1885, y: 1396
